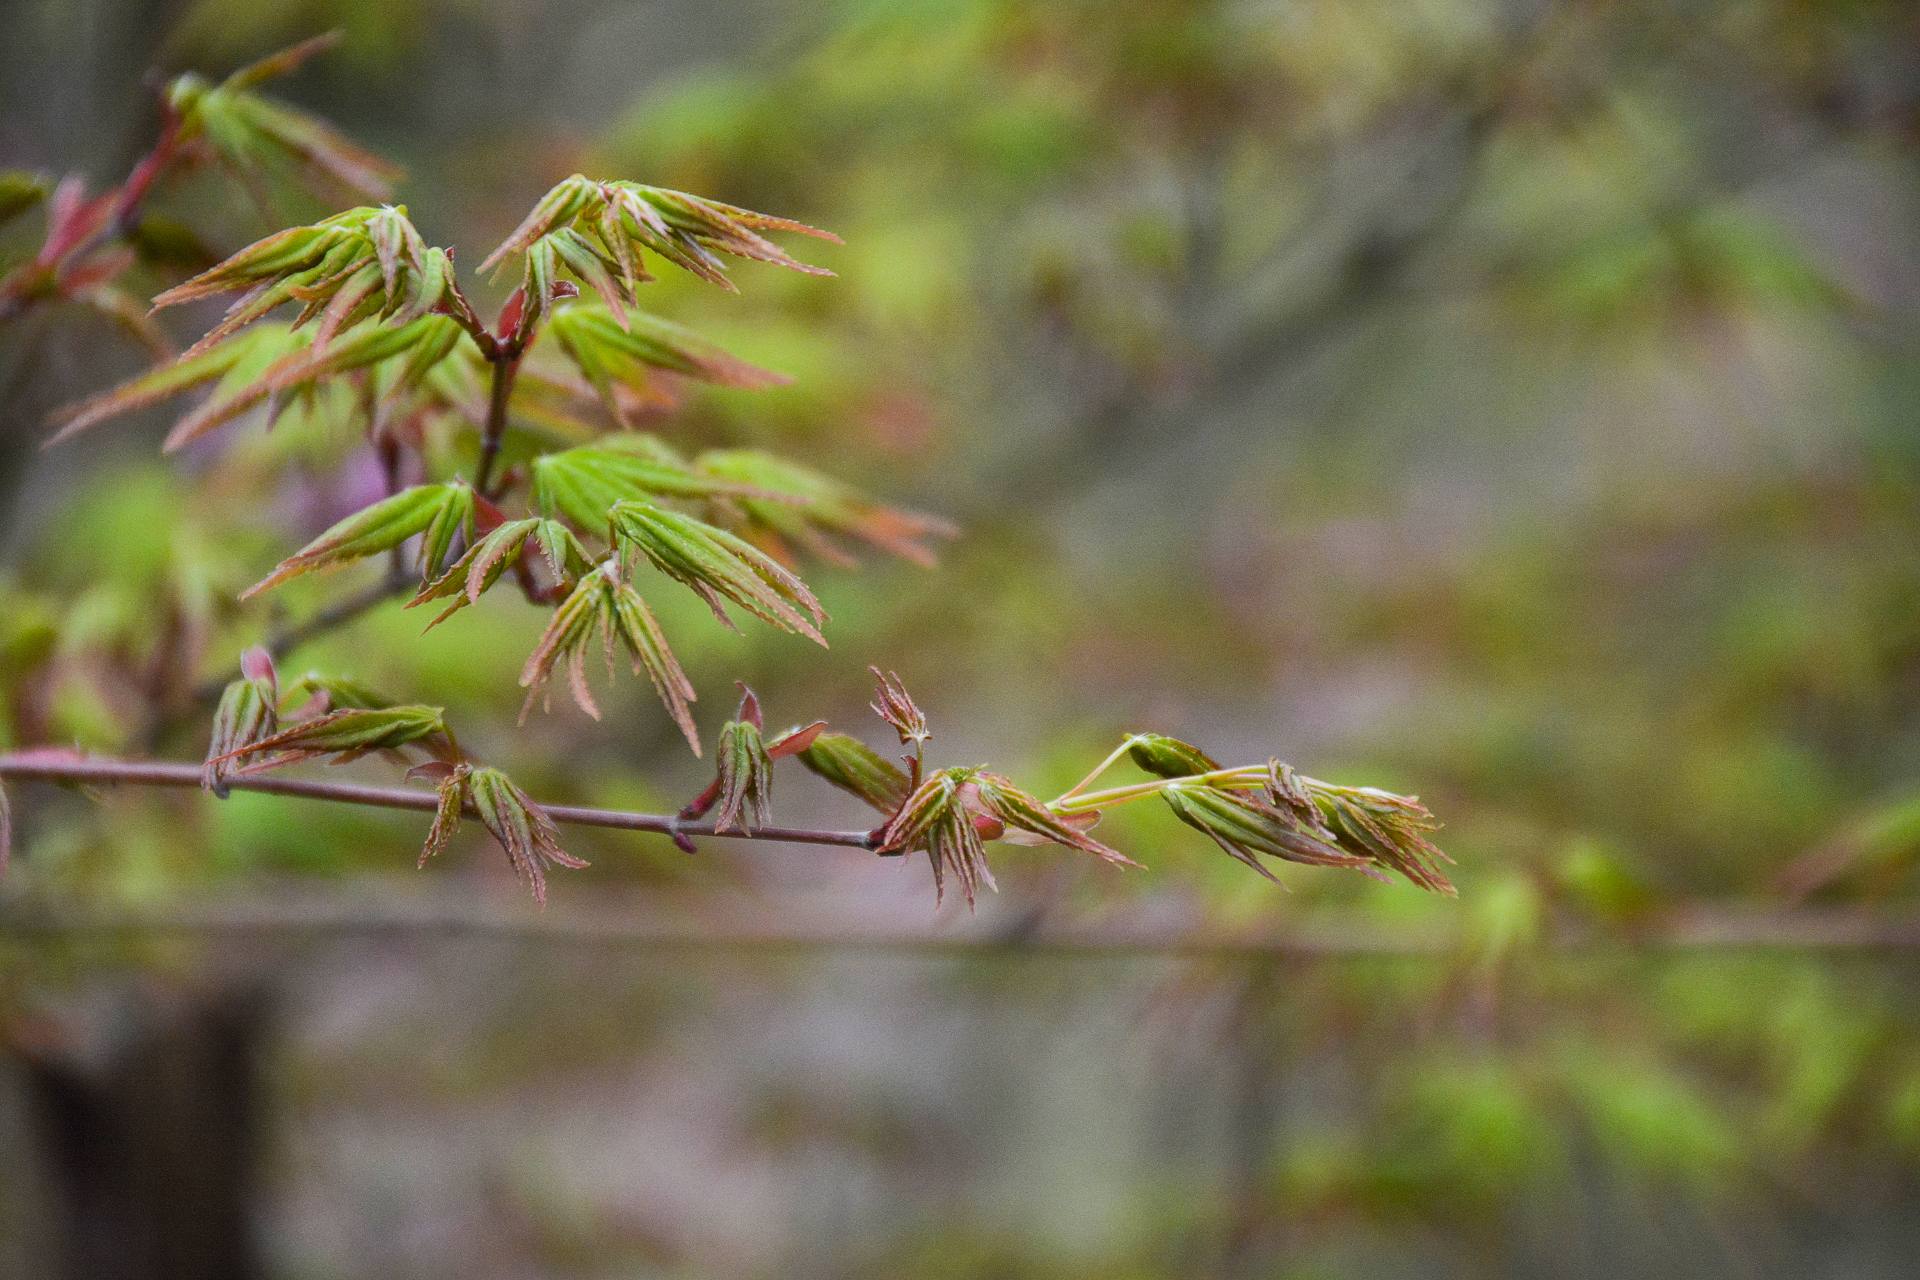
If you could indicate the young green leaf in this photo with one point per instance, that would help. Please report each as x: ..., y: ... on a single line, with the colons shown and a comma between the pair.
x: 345, y: 735
x: 1014, y: 808
x: 246, y: 130
x: 248, y: 713
x: 716, y: 564
x: 439, y: 511
x: 584, y: 484
x: 408, y: 353
x: 857, y: 769
x: 491, y: 556
x: 601, y: 607
x: 801, y: 506
x: 615, y: 350
x: 521, y: 828
x: 359, y: 265
x: 1244, y: 825
x: 597, y: 231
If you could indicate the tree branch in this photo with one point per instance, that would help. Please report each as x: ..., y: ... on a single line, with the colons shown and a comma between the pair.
x: 43, y: 766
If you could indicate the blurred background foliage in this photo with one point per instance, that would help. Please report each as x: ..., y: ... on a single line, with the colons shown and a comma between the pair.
x: 1508, y: 402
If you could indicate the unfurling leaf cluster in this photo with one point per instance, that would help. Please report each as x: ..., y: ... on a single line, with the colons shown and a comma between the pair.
x: 246, y: 130
x: 262, y: 725
x: 517, y: 824
x: 600, y: 233
x: 601, y: 610
x: 741, y: 793
x: 1268, y: 809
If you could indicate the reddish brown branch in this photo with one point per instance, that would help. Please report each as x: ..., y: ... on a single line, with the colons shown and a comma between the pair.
x: 50, y: 767
x: 506, y: 363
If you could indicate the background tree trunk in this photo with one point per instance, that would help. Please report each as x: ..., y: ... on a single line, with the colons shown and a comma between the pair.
x: 149, y: 1135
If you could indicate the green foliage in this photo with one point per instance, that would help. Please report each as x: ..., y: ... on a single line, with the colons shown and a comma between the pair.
x: 519, y: 826
x: 717, y: 565
x: 366, y: 263
x: 746, y: 773
x: 503, y: 547
x: 614, y: 350
x: 596, y: 231
x: 1495, y: 401
x: 249, y: 713
x: 858, y: 769
x: 19, y: 192
x: 584, y: 485
x: 438, y: 513
x: 248, y: 131
x: 603, y: 607
x: 382, y: 336
x: 792, y: 506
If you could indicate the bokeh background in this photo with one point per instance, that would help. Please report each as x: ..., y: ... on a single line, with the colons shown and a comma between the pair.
x: 1511, y: 403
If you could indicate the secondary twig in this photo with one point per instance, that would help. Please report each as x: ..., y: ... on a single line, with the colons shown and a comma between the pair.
x: 342, y: 611
x: 745, y: 924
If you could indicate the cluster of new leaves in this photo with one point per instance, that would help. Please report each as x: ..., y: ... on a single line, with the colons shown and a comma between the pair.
x: 1275, y: 811
x: 1268, y: 809
x: 247, y: 132
x: 259, y: 727
x: 379, y: 306
x: 603, y: 607
x: 518, y: 825
x: 600, y: 232
x: 91, y: 240
x: 950, y: 815
x: 741, y: 793
x: 364, y: 265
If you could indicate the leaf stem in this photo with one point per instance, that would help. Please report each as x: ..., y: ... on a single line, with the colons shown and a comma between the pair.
x: 1098, y: 769
x: 1243, y: 778
x: 127, y: 205
x: 133, y: 194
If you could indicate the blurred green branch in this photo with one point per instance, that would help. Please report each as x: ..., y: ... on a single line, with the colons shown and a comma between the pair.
x: 702, y: 922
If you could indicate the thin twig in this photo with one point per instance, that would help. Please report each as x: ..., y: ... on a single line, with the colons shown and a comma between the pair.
x: 122, y: 223
x: 128, y: 204
x: 506, y: 363
x: 58, y: 767
x: 342, y: 611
